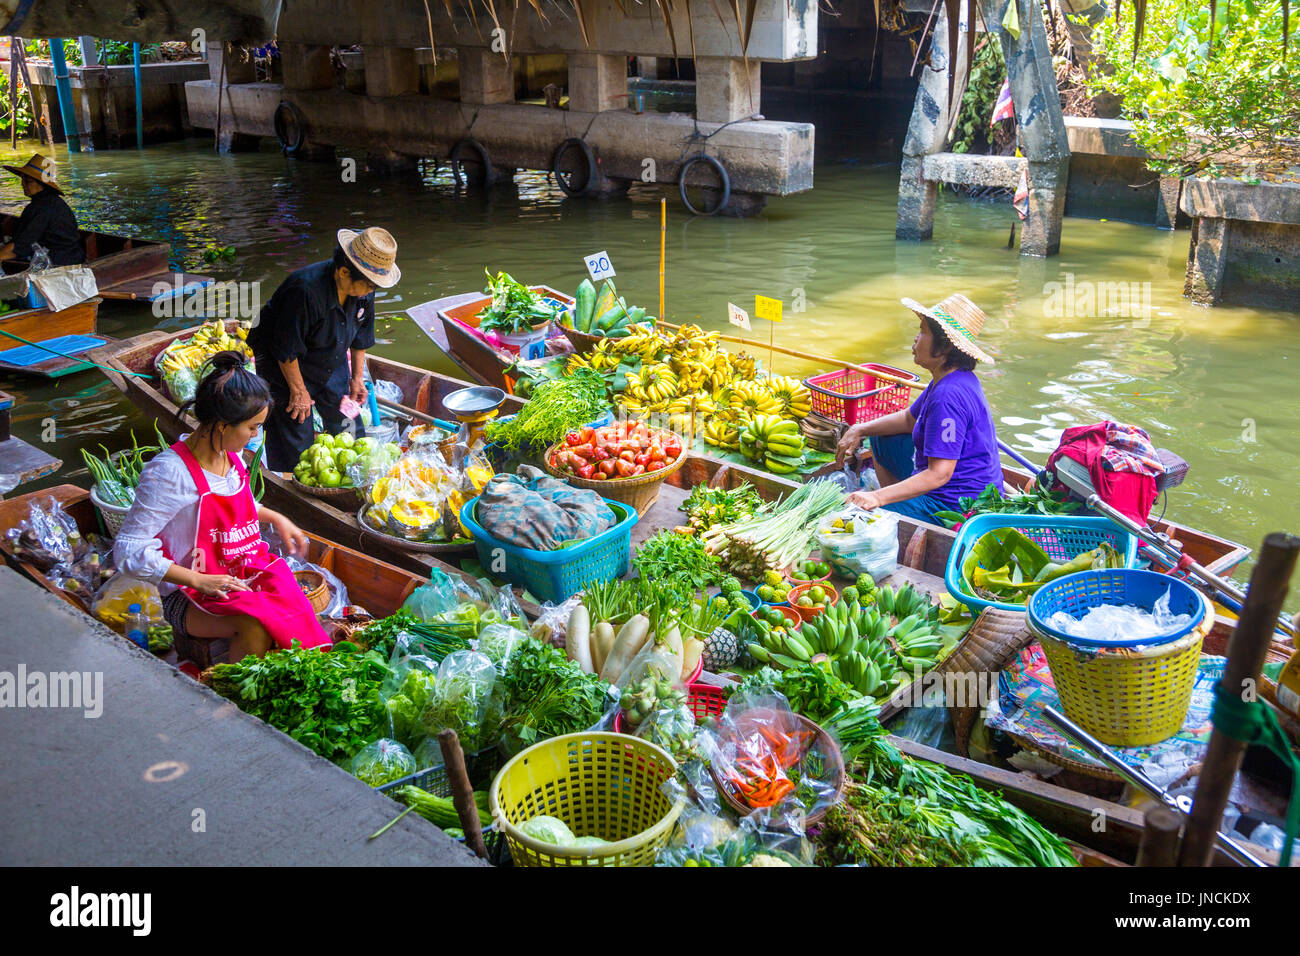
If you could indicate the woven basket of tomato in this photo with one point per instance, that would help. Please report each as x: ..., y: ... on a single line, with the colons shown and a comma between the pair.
x: 625, y: 461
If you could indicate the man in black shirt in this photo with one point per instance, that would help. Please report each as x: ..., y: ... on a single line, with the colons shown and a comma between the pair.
x: 47, y: 221
x: 304, y: 334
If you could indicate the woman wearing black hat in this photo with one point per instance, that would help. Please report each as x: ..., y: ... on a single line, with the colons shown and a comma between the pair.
x: 48, y: 221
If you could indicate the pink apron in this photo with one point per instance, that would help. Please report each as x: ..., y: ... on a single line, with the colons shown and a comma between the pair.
x: 228, y: 540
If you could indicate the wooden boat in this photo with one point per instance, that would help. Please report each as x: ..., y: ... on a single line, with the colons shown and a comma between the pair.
x: 448, y: 322
x: 125, y: 267
x: 378, y: 587
x: 45, y: 325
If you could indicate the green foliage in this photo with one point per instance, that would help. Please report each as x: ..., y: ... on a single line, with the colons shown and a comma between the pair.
x: 1190, y: 100
x: 972, y: 133
x: 7, y: 107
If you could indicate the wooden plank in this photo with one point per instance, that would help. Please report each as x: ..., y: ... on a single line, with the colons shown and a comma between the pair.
x: 40, y: 325
x: 142, y: 289
x: 26, y: 461
x: 143, y: 259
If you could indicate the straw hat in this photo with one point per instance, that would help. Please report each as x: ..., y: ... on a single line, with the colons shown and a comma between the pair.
x: 39, y: 168
x: 960, y: 319
x: 374, y: 252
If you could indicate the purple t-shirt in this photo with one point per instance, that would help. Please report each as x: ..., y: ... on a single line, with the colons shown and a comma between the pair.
x: 953, y: 421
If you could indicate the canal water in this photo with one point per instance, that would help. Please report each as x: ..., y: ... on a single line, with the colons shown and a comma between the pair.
x: 1101, y: 331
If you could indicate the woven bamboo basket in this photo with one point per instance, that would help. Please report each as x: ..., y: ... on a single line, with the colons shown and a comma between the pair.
x: 315, y: 588
x: 826, y: 744
x: 113, y: 515
x: 640, y: 492
x: 583, y: 342
x: 345, y: 499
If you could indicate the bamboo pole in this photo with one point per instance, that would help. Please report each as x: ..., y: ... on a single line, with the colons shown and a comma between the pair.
x: 1246, y: 652
x: 462, y: 794
x: 814, y: 357
x: 663, y: 243
x: 1159, y: 846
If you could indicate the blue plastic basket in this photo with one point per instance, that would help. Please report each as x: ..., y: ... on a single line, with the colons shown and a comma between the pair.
x: 557, y: 575
x: 1076, y: 594
x: 1063, y: 538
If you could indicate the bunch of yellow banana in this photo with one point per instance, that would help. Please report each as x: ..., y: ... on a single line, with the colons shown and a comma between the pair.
x: 646, y: 343
x: 794, y: 398
x: 722, y: 434
x: 654, y: 386
x: 743, y: 366
x: 774, y: 441
x: 596, y: 359
x: 210, y: 339
x: 752, y: 398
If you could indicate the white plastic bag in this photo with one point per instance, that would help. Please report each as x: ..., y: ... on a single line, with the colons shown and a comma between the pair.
x: 871, y: 548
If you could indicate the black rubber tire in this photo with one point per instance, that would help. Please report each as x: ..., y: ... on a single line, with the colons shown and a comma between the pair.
x: 285, y: 114
x: 458, y: 154
x: 588, y: 157
x: 722, y: 175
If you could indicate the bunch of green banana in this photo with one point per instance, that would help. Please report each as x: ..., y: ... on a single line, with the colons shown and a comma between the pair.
x: 776, y: 442
x: 780, y: 647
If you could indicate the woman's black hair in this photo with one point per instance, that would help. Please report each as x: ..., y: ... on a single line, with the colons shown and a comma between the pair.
x: 228, y: 394
x: 341, y: 261
x: 941, y: 345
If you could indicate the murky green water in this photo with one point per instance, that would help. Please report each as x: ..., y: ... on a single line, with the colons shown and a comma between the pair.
x: 1218, y: 386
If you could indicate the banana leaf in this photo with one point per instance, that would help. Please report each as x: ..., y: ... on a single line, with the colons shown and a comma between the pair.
x: 1003, y: 564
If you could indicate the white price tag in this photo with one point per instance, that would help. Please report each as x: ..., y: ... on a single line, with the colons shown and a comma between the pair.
x: 600, y: 267
x: 738, y: 316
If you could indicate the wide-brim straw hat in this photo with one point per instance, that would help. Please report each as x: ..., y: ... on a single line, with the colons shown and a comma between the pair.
x: 374, y: 252
x: 961, y: 321
x: 39, y: 168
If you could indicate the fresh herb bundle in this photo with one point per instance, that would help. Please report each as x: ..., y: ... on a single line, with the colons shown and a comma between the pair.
x: 670, y: 556
x: 556, y: 408
x: 326, y: 700
x: 544, y: 694
x: 706, y: 507
x: 811, y: 689
x: 514, y: 308
x: 1036, y: 501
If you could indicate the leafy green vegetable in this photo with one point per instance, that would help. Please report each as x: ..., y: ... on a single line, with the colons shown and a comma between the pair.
x: 556, y: 408
x: 1006, y: 565
x: 382, y: 762
x: 543, y: 694
x: 514, y: 308
x: 670, y: 556
x: 706, y: 507
x: 326, y: 700
x: 812, y: 689
x: 1036, y: 501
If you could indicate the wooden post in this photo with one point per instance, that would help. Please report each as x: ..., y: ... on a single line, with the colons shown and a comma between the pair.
x: 13, y: 95
x: 221, y: 82
x: 663, y: 245
x: 1159, y: 846
x: 16, y: 49
x: 1247, y: 649
x: 462, y: 794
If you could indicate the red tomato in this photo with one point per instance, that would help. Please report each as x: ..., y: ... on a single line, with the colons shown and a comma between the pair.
x: 654, y: 466
x: 599, y: 454
x: 573, y: 438
x: 625, y: 468
x: 607, y: 467
x: 577, y: 460
x: 643, y: 458
x: 656, y: 453
x: 584, y: 450
x: 639, y: 470
x: 586, y: 472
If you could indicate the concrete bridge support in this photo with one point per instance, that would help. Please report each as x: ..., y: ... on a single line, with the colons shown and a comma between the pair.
x: 1041, y: 130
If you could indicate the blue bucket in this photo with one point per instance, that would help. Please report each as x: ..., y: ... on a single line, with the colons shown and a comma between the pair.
x: 1076, y: 594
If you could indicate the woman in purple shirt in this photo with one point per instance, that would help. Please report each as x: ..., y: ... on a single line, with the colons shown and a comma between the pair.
x: 943, y: 448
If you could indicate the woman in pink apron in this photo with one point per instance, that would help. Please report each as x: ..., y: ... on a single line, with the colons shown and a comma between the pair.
x: 194, y: 528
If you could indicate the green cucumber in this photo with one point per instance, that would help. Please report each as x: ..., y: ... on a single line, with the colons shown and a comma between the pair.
x: 584, y: 300
x: 608, y: 318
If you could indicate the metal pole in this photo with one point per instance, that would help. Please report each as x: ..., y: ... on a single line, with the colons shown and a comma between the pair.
x: 63, y: 87
x: 139, y: 97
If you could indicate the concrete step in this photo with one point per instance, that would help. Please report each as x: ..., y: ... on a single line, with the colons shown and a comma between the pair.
x: 967, y: 169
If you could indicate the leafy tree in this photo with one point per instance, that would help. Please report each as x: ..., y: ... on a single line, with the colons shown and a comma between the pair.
x: 1212, y: 98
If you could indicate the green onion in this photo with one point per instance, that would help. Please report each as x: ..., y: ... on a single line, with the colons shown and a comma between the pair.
x: 778, y: 539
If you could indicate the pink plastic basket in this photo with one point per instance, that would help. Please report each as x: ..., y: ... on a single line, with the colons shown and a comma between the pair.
x: 852, y: 397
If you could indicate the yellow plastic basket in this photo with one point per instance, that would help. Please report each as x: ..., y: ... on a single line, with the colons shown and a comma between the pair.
x: 1126, y: 698
x: 599, y: 784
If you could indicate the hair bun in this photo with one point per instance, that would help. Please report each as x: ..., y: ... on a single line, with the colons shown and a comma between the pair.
x: 225, y: 361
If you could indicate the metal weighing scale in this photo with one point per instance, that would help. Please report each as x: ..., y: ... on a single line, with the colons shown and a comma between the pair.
x: 474, y: 407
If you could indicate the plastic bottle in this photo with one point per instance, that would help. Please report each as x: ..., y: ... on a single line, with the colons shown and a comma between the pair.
x: 137, y: 626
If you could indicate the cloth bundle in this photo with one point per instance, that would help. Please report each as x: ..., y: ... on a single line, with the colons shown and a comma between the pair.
x: 530, y: 509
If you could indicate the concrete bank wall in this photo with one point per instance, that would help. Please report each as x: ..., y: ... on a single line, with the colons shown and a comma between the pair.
x: 169, y: 773
x: 103, y: 100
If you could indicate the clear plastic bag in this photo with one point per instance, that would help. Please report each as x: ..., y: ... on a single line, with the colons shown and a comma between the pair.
x: 405, y: 694
x: 552, y: 623
x: 338, y: 606
x: 672, y: 728
x: 48, y: 537
x: 443, y: 593
x: 460, y: 697
x: 497, y: 642
x: 375, y: 458
x: 381, y: 762
x: 871, y: 548
x: 663, y: 656
x: 112, y: 604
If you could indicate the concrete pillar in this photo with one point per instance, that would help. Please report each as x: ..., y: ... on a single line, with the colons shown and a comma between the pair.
x: 725, y: 90
x: 1041, y: 233
x: 1207, y: 259
x: 1168, y: 215
x: 391, y: 71
x: 306, y: 66
x: 485, y: 77
x: 239, y: 68
x: 916, y: 199
x: 232, y: 142
x: 597, y: 82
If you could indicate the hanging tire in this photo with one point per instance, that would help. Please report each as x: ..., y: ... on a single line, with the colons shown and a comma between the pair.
x: 290, y: 127
x: 574, y: 167
x: 724, y: 187
x: 470, y: 158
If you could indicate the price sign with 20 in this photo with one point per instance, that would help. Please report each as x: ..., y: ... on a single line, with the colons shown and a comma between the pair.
x: 600, y: 267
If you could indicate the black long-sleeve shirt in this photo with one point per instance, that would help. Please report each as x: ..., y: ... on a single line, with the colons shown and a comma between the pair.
x: 49, y: 221
x: 303, y: 320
